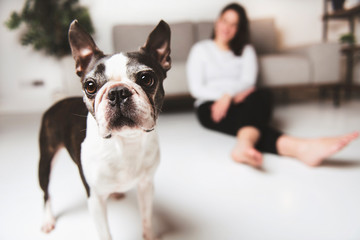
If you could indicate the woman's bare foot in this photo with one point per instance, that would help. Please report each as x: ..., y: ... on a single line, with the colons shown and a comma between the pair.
x: 314, y: 151
x: 248, y: 155
x: 244, y: 151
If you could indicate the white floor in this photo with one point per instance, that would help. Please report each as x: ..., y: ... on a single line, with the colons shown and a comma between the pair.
x: 201, y: 194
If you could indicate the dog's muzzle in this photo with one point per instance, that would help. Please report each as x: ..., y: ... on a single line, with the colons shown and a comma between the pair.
x: 118, y: 95
x: 123, y: 108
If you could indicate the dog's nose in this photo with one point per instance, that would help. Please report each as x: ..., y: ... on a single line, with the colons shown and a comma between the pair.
x: 118, y: 95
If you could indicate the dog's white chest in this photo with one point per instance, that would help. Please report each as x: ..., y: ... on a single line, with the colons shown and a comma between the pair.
x: 117, y: 164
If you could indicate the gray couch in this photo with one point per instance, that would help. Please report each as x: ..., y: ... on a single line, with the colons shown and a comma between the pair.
x: 313, y: 65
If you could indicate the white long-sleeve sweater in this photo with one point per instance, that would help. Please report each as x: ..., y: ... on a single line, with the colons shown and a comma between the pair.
x: 212, y: 72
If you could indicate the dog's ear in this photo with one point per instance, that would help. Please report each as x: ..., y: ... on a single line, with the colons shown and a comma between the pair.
x: 158, y: 44
x: 83, y: 47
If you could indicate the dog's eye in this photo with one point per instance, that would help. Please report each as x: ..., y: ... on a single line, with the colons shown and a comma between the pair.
x: 90, y: 87
x: 146, y: 79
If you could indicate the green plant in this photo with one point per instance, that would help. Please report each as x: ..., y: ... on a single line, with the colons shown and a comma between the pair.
x: 47, y: 23
x: 347, y: 38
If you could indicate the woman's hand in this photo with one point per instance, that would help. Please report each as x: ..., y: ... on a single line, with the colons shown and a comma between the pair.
x: 220, y: 107
x: 242, y: 95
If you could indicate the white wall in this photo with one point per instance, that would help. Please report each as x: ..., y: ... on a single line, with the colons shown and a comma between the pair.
x: 298, y: 21
x: 19, y: 66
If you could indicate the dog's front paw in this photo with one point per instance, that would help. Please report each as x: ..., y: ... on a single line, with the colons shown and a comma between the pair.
x: 48, y: 225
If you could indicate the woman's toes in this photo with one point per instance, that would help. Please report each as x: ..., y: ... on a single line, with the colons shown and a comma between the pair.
x: 248, y: 156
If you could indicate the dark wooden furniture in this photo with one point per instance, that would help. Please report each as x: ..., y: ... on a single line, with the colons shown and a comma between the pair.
x: 349, y: 14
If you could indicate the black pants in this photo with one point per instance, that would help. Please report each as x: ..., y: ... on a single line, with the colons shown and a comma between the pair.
x: 256, y: 111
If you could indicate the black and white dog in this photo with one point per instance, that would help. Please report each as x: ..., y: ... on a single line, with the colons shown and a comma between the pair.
x: 123, y: 94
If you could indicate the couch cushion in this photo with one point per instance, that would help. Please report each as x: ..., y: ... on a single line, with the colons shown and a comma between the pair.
x: 182, y: 39
x: 326, y: 61
x: 130, y: 37
x: 283, y: 70
x: 262, y: 32
x: 263, y: 35
x: 203, y: 30
x: 175, y: 83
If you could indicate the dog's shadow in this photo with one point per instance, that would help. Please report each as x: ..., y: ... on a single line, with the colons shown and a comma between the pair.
x: 78, y: 206
x: 166, y: 222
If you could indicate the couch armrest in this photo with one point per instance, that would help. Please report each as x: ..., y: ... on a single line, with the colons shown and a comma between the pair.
x: 324, y: 59
x: 278, y: 70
